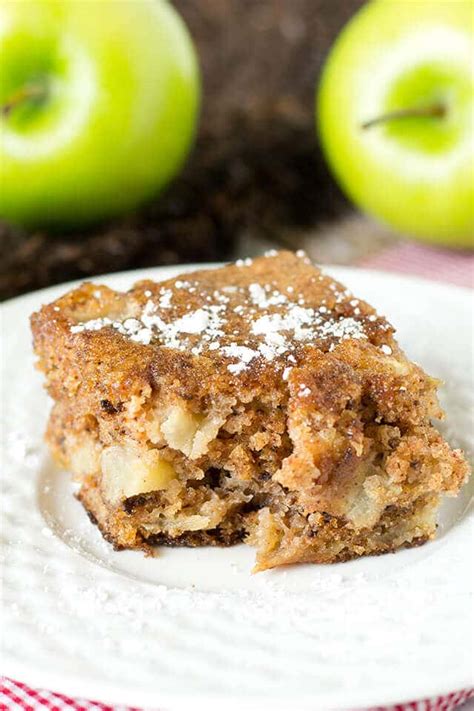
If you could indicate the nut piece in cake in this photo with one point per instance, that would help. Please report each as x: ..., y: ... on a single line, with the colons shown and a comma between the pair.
x: 260, y: 402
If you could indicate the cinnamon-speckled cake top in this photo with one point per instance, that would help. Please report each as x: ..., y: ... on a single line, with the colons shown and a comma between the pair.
x: 252, y: 313
x: 274, y: 324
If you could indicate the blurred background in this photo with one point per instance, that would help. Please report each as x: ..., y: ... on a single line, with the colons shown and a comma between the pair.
x: 256, y: 176
x: 255, y: 172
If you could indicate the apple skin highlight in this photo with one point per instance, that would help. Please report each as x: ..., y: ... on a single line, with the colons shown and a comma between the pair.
x: 413, y: 173
x: 116, y: 116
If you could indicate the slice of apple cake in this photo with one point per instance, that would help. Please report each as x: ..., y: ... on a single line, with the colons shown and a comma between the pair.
x: 259, y: 402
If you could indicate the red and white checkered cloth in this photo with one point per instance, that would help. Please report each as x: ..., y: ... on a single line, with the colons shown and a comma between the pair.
x: 19, y: 697
x: 454, y: 267
x: 430, y: 262
x: 15, y: 696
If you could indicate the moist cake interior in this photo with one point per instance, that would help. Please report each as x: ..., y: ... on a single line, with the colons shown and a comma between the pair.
x: 261, y: 402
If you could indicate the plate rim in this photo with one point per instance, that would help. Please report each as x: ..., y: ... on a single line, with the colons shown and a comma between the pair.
x: 114, y: 693
x: 104, y: 692
x: 412, y: 279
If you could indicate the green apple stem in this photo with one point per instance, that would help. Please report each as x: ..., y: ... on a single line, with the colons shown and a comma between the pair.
x: 434, y: 111
x: 25, y: 93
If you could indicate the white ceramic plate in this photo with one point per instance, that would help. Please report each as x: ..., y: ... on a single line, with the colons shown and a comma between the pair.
x: 193, y: 628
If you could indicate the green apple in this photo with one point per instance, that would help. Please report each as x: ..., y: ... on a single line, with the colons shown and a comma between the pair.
x: 98, y: 103
x: 395, y: 110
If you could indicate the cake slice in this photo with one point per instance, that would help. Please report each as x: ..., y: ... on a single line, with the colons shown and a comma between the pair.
x: 259, y: 402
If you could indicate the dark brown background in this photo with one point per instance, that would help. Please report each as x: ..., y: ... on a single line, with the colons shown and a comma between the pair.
x: 256, y: 167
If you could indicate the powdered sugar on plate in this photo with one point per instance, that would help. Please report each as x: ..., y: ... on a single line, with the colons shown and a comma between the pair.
x: 198, y: 624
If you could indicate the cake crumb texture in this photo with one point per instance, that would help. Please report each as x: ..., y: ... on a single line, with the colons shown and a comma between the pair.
x: 259, y: 402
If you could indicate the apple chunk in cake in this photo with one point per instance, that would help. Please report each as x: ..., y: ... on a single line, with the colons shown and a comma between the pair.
x: 259, y: 402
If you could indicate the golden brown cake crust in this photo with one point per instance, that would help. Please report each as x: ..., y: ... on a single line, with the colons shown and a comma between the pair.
x: 106, y: 358
x: 107, y: 367
x: 310, y: 430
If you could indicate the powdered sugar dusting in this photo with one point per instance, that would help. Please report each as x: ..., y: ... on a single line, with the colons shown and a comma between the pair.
x: 255, y: 323
x: 165, y: 298
x: 242, y: 353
